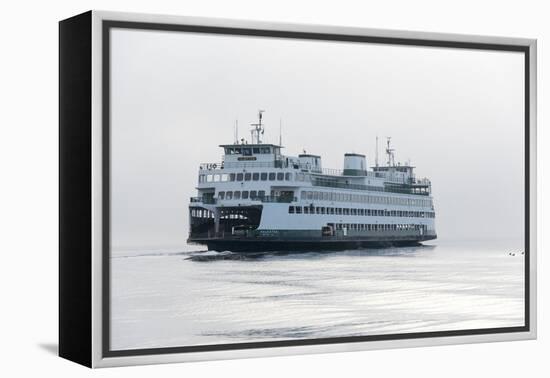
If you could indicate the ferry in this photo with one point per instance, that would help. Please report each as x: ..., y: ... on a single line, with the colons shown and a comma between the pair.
x: 258, y: 199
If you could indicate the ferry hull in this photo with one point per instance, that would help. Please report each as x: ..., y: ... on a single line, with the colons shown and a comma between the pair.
x: 258, y: 245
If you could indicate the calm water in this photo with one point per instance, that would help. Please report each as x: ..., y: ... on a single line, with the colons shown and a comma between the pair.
x: 176, y: 298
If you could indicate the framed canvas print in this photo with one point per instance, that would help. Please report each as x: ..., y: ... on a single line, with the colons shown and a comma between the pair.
x: 234, y: 189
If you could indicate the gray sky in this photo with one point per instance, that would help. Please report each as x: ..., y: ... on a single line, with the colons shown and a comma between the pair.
x: 457, y: 114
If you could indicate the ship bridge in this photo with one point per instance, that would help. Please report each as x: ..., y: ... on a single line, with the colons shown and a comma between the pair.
x: 243, y: 154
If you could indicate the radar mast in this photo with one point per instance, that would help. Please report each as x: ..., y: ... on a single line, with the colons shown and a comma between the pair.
x: 258, y: 129
x: 390, y: 152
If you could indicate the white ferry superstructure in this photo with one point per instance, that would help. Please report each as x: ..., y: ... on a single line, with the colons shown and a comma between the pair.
x: 258, y: 199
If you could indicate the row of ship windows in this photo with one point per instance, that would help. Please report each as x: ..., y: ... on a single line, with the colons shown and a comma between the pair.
x: 363, y: 198
x: 251, y: 176
x: 245, y: 194
x: 364, y: 212
x: 247, y: 151
x: 380, y: 227
x: 328, y: 196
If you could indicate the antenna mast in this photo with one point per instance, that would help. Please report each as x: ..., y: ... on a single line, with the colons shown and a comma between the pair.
x: 389, y: 151
x: 376, y: 157
x: 280, y: 132
x: 236, y: 131
x: 258, y: 129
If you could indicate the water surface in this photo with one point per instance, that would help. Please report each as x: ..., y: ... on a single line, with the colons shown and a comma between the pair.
x: 183, y: 296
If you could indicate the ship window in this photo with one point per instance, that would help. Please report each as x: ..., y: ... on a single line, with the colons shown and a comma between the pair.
x: 239, y: 177
x: 247, y: 176
x: 236, y: 194
x: 265, y: 150
x: 306, y: 210
x: 237, y: 151
x: 271, y: 176
x: 253, y: 194
x: 298, y: 209
x: 231, y: 177
x: 291, y: 209
x: 245, y: 194
x: 247, y: 151
x: 263, y: 176
x: 255, y: 176
x: 229, y: 195
x: 261, y: 193
x: 288, y: 176
x: 256, y: 150
x: 280, y: 176
x: 303, y: 195
x: 224, y: 177
x: 322, y: 210
x: 309, y: 195
x: 221, y: 195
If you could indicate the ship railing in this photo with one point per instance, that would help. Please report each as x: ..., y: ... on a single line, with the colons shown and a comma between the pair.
x: 240, y: 165
x: 279, y: 199
x: 302, y: 167
x: 317, y: 181
x: 422, y: 181
x: 205, y: 200
x: 281, y: 164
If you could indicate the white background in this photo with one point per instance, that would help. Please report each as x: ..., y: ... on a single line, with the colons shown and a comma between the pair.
x: 28, y: 148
